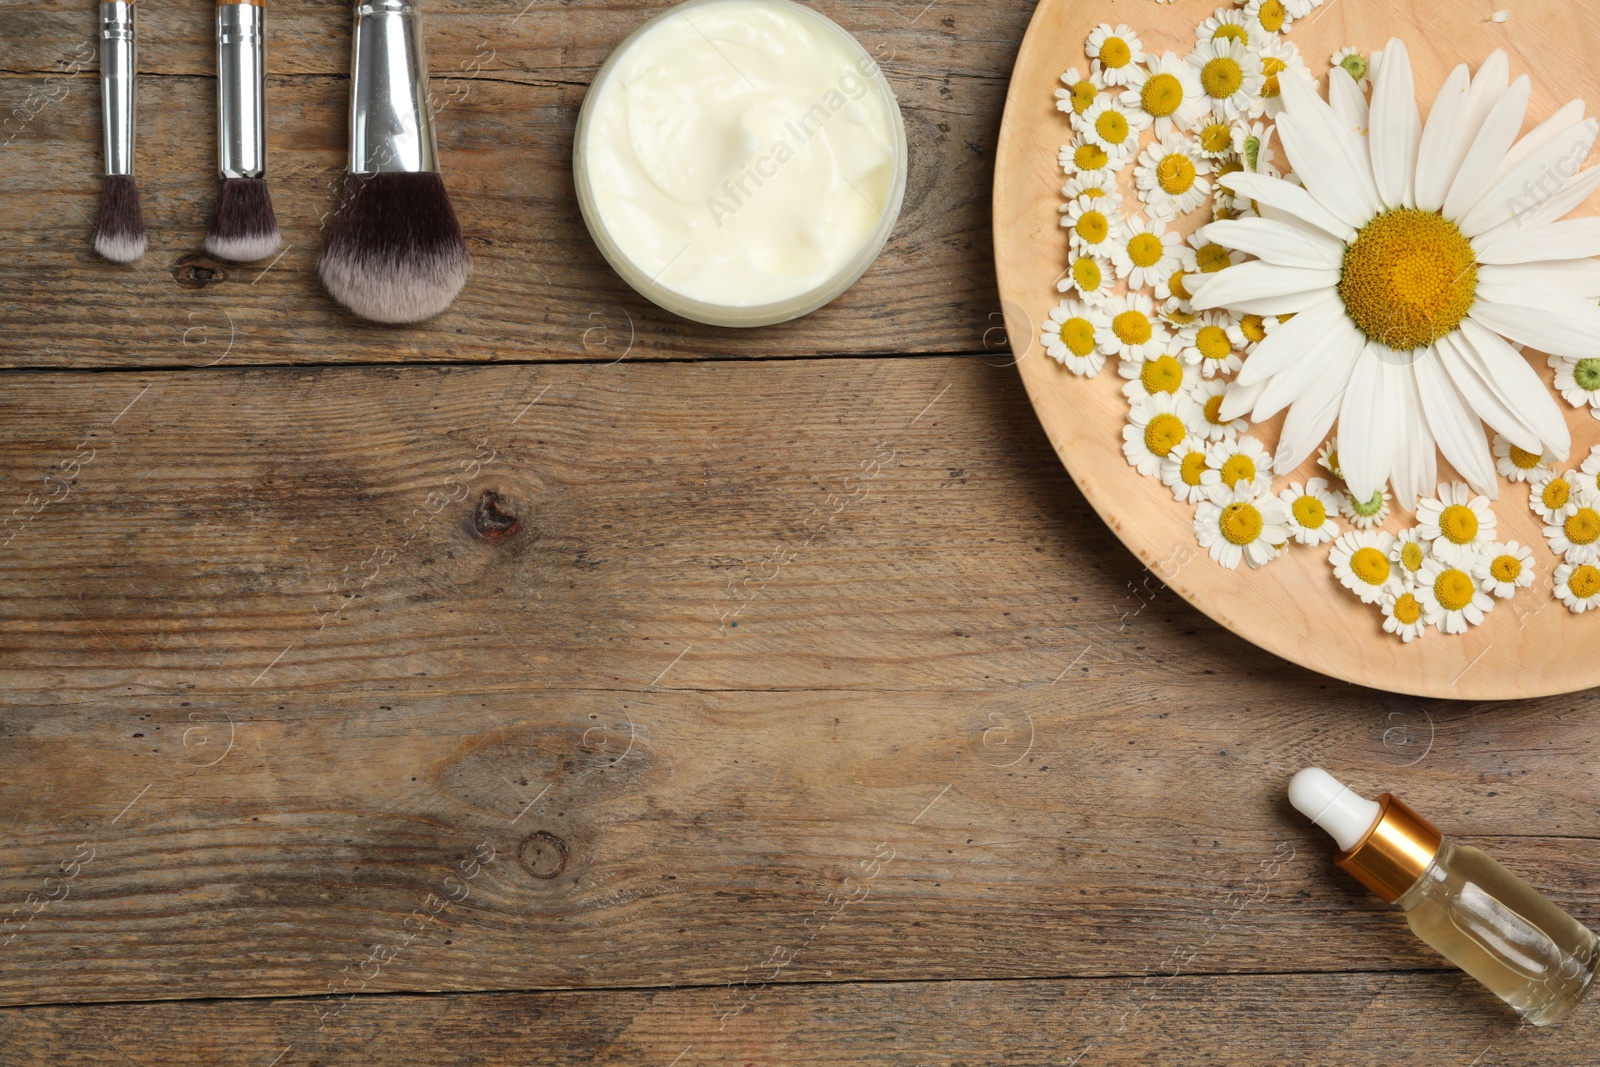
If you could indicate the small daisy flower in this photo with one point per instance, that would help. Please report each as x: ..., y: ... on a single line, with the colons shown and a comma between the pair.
x: 1156, y: 426
x: 1578, y: 381
x: 1080, y: 155
x: 1403, y: 615
x: 1252, y: 142
x: 1184, y: 471
x: 1409, y: 553
x: 1328, y: 458
x: 1269, y: 15
x: 1134, y: 332
x: 1177, y: 312
x: 1167, y: 90
x: 1451, y: 598
x: 1277, y: 57
x: 1210, y: 257
x: 1170, y: 176
x: 1095, y: 184
x: 1502, y: 569
x: 1113, y: 129
x: 1174, y: 286
x: 1230, y: 76
x: 1208, y: 395
x: 1114, y: 53
x: 1089, y: 276
x: 1299, y: 9
x: 1576, y: 538
x: 1591, y: 467
x: 1145, y: 251
x: 1514, y: 464
x: 1311, y: 510
x: 1092, y: 224
x: 1227, y: 24
x: 1365, y: 514
x: 1354, y: 64
x: 1162, y: 372
x: 1206, y: 344
x: 1081, y: 90
x: 1578, y: 586
x: 1242, y: 465
x: 1239, y: 525
x: 1249, y: 331
x: 1360, y: 561
x: 1215, y: 138
x: 1553, y: 496
x: 1456, y: 524
x: 1069, y: 337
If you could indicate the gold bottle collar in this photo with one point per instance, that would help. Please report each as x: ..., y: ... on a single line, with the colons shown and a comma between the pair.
x: 1395, y: 852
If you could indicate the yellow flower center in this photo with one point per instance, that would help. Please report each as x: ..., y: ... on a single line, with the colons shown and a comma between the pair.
x: 1272, y: 66
x: 1212, y: 258
x: 1086, y: 272
x: 1271, y: 15
x: 1194, y: 465
x: 1175, y: 173
x: 1407, y: 609
x: 1310, y: 513
x: 1216, y: 137
x: 1078, y: 335
x: 1459, y: 524
x: 1162, y: 95
x: 1524, y: 461
x: 1254, y: 328
x: 1506, y: 568
x: 1114, y: 52
x: 1221, y: 77
x: 1583, y: 528
x: 1089, y: 157
x: 1112, y: 127
x: 1161, y: 375
x: 1176, y: 287
x: 1164, y: 433
x: 1145, y: 249
x: 1238, y: 468
x: 1410, y: 278
x: 1229, y: 31
x: 1213, y: 343
x: 1182, y: 318
x: 1093, y: 192
x: 1083, y: 94
x: 1370, y: 565
x: 1411, y: 556
x: 1241, y: 523
x: 1556, y: 494
x: 1131, y: 327
x: 1093, y: 227
x: 1585, y: 581
x: 1213, y: 410
x: 1454, y: 589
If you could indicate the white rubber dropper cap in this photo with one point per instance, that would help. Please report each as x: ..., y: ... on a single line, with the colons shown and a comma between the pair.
x: 1332, y: 805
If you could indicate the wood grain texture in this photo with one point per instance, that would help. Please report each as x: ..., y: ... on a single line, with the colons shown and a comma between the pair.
x: 507, y: 87
x: 1524, y: 648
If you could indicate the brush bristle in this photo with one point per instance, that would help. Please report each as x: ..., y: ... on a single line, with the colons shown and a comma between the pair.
x: 244, y: 228
x: 395, y: 251
x: 119, y: 232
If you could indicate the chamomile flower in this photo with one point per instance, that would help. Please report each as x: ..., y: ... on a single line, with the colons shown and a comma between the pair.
x: 1230, y: 76
x: 1456, y: 524
x: 1167, y: 90
x: 1144, y: 251
x: 1114, y: 53
x: 1252, y: 141
x: 1514, y: 464
x: 1081, y: 89
x: 1115, y: 130
x: 1093, y: 226
x: 1278, y: 57
x: 1328, y: 458
x: 1172, y: 286
x: 1069, y: 337
x: 1591, y: 467
x: 1089, y: 276
x: 1269, y: 15
x: 1408, y: 555
x: 1239, y: 525
x: 1162, y: 372
x: 1366, y: 514
x: 1578, y: 382
x: 1311, y: 510
x: 1184, y: 471
x: 1360, y: 561
x: 1553, y: 495
x: 1210, y: 257
x: 1208, y: 394
x: 1578, y: 586
x: 1577, y: 537
x: 1156, y: 426
x: 1226, y: 24
x: 1354, y: 64
x: 1095, y: 184
x: 1170, y: 176
x: 1403, y: 615
x: 1299, y: 9
x: 1133, y: 332
x: 1176, y: 312
x: 1452, y: 599
x: 1214, y: 139
x: 1081, y: 155
x: 1502, y: 569
x: 1250, y: 330
x: 1206, y: 344
x: 1242, y: 465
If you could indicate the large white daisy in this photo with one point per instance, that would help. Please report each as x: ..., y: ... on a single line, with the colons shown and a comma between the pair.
x: 1410, y: 258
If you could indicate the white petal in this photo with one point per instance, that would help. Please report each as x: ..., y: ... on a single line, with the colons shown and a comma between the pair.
x: 1518, y: 384
x: 1552, y: 322
x: 1289, y: 198
x: 1238, y: 399
x: 1488, y: 86
x: 1255, y: 281
x: 1444, y: 141
x: 1396, y: 127
x: 1278, y: 242
x: 1289, y: 304
x: 1285, y: 388
x: 1558, y: 159
x: 1544, y: 205
x: 1488, y: 149
x: 1299, y: 338
x: 1415, y: 455
x: 1461, y: 365
x: 1574, y: 277
x: 1326, y: 168
x: 1312, y: 114
x: 1347, y: 102
x: 1366, y: 424
x: 1569, y: 114
x: 1459, y: 433
x: 1567, y: 239
x: 1311, y: 416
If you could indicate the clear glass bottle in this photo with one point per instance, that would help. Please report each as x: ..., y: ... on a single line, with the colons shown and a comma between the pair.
x: 1477, y: 914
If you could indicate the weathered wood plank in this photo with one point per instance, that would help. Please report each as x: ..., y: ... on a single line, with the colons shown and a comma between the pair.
x: 509, y: 89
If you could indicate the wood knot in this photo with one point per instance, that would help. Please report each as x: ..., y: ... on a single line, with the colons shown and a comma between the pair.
x: 197, y: 271
x: 543, y: 855
x: 493, y: 518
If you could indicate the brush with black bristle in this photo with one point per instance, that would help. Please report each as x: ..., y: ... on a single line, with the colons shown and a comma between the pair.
x: 119, y: 231
x: 244, y: 227
x: 394, y: 251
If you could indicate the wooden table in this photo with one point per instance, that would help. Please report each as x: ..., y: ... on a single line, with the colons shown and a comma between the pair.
x: 561, y: 683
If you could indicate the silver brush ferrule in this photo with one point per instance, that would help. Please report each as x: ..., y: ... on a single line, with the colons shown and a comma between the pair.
x: 241, y: 95
x: 118, y: 63
x: 391, y: 124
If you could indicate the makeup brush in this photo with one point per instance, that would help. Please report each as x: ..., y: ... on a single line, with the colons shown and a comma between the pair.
x: 244, y: 227
x: 119, y: 232
x: 394, y: 251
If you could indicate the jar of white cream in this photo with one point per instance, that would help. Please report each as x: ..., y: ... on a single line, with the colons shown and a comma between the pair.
x: 740, y: 162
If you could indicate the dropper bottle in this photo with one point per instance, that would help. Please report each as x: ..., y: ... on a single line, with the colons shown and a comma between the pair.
x: 1479, y: 915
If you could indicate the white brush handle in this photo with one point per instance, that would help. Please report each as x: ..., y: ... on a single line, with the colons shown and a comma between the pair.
x: 241, y: 96
x: 391, y: 125
x: 118, y: 63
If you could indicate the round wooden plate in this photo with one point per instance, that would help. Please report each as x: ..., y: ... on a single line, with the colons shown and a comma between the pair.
x: 1529, y: 646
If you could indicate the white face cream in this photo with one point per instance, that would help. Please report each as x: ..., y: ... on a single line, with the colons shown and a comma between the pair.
x: 740, y: 162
